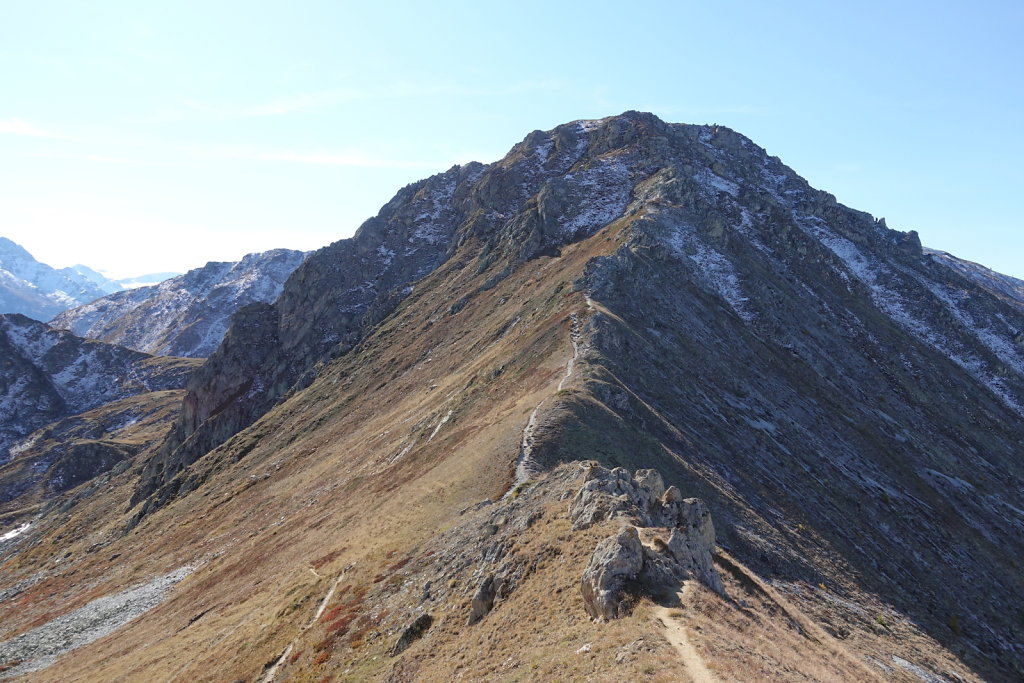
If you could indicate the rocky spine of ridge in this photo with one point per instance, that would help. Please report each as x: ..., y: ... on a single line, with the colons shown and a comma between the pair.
x: 187, y: 315
x: 848, y: 408
x: 48, y: 374
x: 515, y: 206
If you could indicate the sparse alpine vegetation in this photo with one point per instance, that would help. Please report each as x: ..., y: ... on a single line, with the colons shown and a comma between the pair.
x: 377, y: 476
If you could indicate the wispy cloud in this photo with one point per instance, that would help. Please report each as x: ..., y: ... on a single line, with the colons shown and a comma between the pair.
x: 329, y: 158
x: 311, y: 101
x: 100, y: 158
x: 22, y: 127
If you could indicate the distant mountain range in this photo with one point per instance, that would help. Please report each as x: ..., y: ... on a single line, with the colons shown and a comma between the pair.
x: 186, y: 315
x: 41, y: 291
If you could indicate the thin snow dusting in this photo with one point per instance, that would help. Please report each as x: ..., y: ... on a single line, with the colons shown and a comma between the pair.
x: 386, y: 255
x: 1002, y: 347
x: 32, y: 340
x: 712, y: 181
x: 746, y: 228
x: 428, y: 225
x: 588, y: 125
x: 714, y: 268
x: 184, y: 315
x: 875, y: 276
x: 543, y: 150
x: 924, y: 675
x: 604, y: 191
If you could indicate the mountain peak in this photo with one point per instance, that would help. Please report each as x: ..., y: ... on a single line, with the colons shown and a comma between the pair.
x: 659, y: 322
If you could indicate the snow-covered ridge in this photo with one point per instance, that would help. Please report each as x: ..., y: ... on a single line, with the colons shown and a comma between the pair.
x: 186, y: 315
x: 39, y: 291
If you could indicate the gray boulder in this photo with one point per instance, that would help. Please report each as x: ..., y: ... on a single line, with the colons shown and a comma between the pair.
x: 616, y: 562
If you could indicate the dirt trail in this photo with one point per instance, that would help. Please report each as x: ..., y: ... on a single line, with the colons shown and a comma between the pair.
x: 272, y: 671
x: 524, y: 467
x: 675, y: 633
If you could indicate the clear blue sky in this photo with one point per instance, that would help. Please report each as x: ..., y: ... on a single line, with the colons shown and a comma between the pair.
x: 143, y: 136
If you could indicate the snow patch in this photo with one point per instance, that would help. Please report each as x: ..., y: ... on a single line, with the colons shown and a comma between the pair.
x: 15, y: 532
x: 713, y: 267
x: 442, y: 423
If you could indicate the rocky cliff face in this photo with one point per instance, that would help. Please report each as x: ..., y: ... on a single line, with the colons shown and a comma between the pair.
x: 48, y: 374
x: 39, y: 291
x: 185, y: 315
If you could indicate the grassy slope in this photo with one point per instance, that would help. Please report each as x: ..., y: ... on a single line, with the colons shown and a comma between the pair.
x: 353, y: 476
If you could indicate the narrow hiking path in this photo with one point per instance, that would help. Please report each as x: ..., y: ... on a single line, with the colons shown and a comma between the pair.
x: 524, y: 470
x: 675, y: 633
x: 272, y: 671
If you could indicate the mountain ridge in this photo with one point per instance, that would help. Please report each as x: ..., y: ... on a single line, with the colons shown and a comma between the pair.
x: 613, y: 297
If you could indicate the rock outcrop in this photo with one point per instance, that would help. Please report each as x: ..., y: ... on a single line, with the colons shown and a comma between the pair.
x: 679, y: 531
x: 612, y: 571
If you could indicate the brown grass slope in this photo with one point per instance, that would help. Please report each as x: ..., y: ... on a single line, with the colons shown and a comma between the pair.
x: 358, y: 476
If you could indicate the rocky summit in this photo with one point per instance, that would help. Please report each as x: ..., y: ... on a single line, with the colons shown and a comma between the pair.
x: 633, y: 402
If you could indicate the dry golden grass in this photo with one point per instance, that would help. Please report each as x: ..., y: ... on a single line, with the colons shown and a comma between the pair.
x: 356, y: 477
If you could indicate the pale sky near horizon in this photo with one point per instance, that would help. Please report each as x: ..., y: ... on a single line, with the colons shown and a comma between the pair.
x: 143, y: 137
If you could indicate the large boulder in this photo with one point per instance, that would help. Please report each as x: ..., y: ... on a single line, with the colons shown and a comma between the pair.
x: 614, y: 565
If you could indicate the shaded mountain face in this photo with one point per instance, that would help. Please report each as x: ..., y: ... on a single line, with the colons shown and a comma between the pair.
x: 48, y: 374
x: 72, y: 450
x: 39, y: 291
x: 185, y: 315
x: 380, y: 464
x: 1004, y: 286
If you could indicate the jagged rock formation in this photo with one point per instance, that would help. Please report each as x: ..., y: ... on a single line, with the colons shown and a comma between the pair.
x: 39, y: 291
x: 48, y: 374
x: 622, y: 568
x: 185, y: 315
x: 642, y: 294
